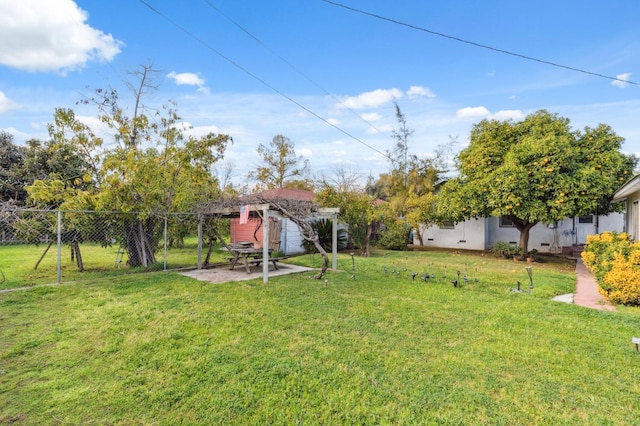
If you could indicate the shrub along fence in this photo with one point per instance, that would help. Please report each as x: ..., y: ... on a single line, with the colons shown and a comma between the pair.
x: 52, y: 246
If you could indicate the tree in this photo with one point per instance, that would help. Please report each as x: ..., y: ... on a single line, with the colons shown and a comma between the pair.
x: 399, y: 156
x: 535, y: 171
x: 357, y: 210
x: 409, y: 185
x: 279, y: 164
x: 12, y: 180
x: 155, y: 168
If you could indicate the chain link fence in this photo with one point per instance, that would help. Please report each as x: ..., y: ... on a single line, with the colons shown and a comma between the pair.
x: 52, y: 246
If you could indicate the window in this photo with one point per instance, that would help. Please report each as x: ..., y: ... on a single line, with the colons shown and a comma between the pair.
x: 585, y: 219
x: 505, y: 222
x: 447, y: 224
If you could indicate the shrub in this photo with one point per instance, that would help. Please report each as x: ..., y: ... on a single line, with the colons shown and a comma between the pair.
x: 396, y: 236
x: 615, y: 262
x: 324, y: 230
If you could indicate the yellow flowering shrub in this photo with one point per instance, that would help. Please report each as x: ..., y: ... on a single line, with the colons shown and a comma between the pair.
x: 615, y: 262
x: 622, y: 282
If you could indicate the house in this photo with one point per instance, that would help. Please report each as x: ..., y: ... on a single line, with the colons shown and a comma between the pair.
x: 630, y: 193
x: 284, y: 235
x: 560, y: 237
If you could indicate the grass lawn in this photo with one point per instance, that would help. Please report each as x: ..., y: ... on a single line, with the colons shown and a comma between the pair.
x: 17, y: 262
x: 368, y: 346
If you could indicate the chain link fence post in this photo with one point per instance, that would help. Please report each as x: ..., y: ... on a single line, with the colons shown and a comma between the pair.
x: 59, y: 260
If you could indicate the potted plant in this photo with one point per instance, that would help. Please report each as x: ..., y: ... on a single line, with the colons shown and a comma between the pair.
x: 532, y: 256
x: 518, y: 254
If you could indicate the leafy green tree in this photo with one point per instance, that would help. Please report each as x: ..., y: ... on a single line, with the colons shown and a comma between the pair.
x: 357, y: 210
x: 409, y: 186
x: 12, y: 179
x: 155, y: 168
x: 536, y: 170
x: 280, y: 164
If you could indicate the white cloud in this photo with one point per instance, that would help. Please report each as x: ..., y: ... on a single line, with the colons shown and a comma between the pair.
x: 6, y: 104
x: 472, y: 112
x: 379, y: 129
x: 619, y: 83
x: 512, y: 114
x: 371, y: 99
x: 333, y: 121
x: 305, y: 152
x: 371, y: 116
x: 51, y: 35
x: 200, y: 131
x: 186, y: 78
x: 419, y: 92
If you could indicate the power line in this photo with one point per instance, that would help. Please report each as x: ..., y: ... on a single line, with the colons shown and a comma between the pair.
x: 293, y: 67
x: 473, y: 43
x: 257, y: 78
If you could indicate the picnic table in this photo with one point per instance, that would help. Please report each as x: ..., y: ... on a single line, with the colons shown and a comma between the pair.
x: 249, y: 256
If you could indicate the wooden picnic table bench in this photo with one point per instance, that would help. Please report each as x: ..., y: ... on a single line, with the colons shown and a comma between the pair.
x: 251, y: 256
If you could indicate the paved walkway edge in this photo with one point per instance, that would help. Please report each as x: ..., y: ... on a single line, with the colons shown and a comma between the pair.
x: 587, y: 294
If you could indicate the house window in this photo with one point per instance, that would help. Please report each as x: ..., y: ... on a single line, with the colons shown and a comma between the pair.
x: 447, y: 224
x: 505, y: 222
x: 585, y: 219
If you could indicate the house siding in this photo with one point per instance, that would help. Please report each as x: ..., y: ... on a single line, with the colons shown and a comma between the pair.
x: 481, y: 234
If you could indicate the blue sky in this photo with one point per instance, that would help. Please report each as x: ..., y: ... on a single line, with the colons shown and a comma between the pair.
x: 255, y: 69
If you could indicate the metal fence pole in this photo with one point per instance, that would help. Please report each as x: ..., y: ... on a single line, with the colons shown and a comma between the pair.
x: 199, y: 241
x: 165, y: 243
x: 59, y: 277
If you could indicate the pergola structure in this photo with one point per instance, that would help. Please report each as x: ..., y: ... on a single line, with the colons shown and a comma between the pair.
x: 296, y: 210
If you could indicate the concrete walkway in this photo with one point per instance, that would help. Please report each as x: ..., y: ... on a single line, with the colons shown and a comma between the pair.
x: 586, y: 291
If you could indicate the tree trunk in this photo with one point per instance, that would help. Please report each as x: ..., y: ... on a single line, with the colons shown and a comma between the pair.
x: 75, y: 248
x: 208, y: 257
x: 139, y: 242
x: 35, y: 268
x: 310, y: 236
x: 524, y: 228
x: 366, y: 252
x: 420, y: 237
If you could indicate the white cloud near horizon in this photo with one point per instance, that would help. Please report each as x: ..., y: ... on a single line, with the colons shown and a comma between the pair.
x: 621, y: 84
x: 186, y: 79
x: 371, y: 99
x: 482, y: 112
x: 415, y: 92
x: 508, y: 114
x: 6, y: 104
x: 51, y: 35
x: 472, y: 112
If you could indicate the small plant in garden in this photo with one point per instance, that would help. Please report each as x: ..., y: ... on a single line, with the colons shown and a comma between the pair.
x: 615, y: 262
x: 503, y: 248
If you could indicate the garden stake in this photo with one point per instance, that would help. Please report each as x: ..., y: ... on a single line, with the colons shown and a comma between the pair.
x: 353, y: 261
x: 528, y: 268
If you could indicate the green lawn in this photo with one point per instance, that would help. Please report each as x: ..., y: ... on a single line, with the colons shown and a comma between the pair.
x: 364, y: 347
x: 18, y: 263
